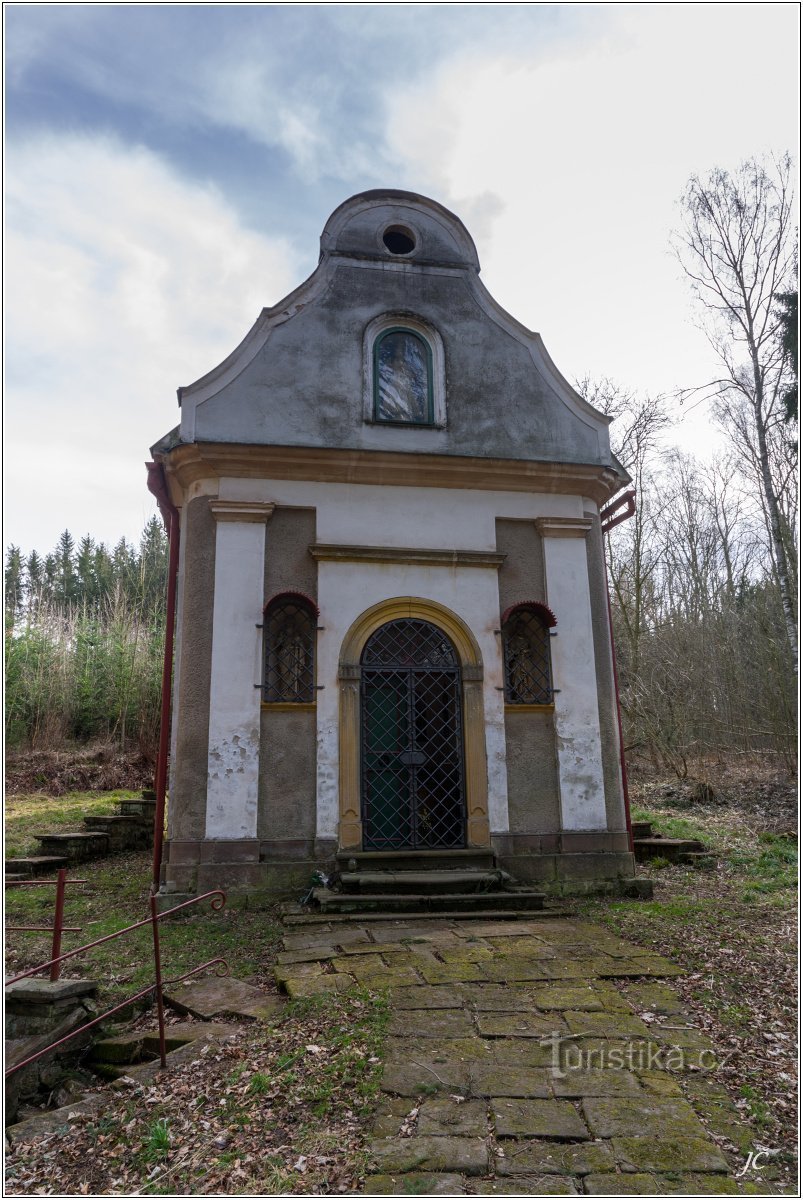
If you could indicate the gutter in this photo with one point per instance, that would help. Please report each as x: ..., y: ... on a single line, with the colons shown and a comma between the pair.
x: 157, y: 485
x: 610, y: 516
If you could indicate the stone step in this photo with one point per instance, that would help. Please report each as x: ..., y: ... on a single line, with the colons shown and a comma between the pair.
x: 641, y: 829
x: 122, y: 1049
x: 669, y: 848
x: 450, y: 903
x: 75, y: 847
x: 432, y: 882
x: 125, y: 833
x: 293, y: 914
x: 142, y: 808
x: 416, y: 860
x: 700, y: 858
x: 37, y: 864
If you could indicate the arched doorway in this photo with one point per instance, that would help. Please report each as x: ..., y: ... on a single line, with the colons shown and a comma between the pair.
x: 411, y: 739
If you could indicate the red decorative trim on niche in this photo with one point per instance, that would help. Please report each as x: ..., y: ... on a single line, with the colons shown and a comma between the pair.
x: 546, y: 614
x: 294, y: 596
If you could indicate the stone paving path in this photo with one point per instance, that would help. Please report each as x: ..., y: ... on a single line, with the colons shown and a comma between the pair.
x: 515, y: 1065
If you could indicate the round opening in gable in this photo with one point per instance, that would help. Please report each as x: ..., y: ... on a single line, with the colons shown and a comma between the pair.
x: 398, y: 240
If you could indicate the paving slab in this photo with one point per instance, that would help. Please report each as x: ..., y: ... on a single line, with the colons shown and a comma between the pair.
x: 558, y: 1158
x: 606, y: 1024
x: 435, y: 1023
x: 393, y: 1112
x: 215, y: 997
x: 425, y: 996
x: 492, y: 1079
x: 312, y: 985
x: 537, y: 1118
x: 576, y: 1084
x: 548, y: 1185
x: 516, y: 970
x: 610, y: 1184
x: 391, y: 977
x: 441, y: 972
x: 662, y: 1116
x: 466, y: 1156
x: 413, y: 1183
x: 565, y: 996
x: 495, y: 997
x: 446, y: 1115
x: 519, y: 1024
x: 668, y: 1154
x: 656, y: 998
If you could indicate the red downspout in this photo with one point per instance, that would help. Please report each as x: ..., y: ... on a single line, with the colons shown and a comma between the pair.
x: 629, y: 499
x: 157, y: 484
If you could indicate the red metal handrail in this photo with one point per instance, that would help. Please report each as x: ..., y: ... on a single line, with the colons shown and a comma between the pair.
x: 58, y: 927
x: 217, y: 900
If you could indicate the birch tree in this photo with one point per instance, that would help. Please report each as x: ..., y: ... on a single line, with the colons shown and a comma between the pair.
x: 737, y: 245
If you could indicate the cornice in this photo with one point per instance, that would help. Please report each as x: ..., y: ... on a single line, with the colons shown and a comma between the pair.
x: 408, y: 556
x: 563, y: 527
x: 241, y: 511
x: 190, y: 462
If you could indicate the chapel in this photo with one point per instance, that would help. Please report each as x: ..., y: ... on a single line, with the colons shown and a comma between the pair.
x: 392, y: 630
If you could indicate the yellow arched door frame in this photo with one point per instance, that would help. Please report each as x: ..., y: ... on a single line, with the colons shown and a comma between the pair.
x: 476, y: 766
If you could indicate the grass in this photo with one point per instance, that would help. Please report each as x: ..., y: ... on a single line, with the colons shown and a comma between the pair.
x: 27, y: 815
x: 116, y: 895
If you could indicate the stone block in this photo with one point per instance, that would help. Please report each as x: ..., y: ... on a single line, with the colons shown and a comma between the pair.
x: 495, y: 997
x: 576, y: 1084
x: 438, y: 972
x: 436, y: 1023
x: 391, y: 1113
x: 656, y: 998
x: 311, y: 985
x: 572, y: 1158
x: 616, y: 1116
x: 548, y: 1185
x: 516, y: 970
x: 413, y: 1183
x: 466, y: 1156
x: 215, y: 996
x: 566, y: 996
x: 609, y: 1184
x: 494, y: 1079
x: 605, y: 1024
x: 425, y: 996
x: 519, y: 1024
x: 444, y: 1116
x: 417, y: 1079
x: 668, y: 1154
x: 537, y: 1118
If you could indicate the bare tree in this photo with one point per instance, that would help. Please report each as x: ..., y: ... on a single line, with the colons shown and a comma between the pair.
x: 738, y: 247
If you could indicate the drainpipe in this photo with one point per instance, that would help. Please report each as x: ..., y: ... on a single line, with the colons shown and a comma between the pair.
x: 608, y: 521
x: 157, y: 485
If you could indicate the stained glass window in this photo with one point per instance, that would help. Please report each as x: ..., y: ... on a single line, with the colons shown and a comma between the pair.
x: 402, y: 378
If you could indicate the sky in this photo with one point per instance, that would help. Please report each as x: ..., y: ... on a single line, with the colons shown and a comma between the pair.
x: 169, y: 169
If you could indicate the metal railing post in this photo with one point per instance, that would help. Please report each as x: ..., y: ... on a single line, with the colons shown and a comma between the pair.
x: 157, y: 968
x: 58, y: 924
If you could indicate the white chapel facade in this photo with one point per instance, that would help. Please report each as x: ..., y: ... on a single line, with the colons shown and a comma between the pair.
x: 392, y: 626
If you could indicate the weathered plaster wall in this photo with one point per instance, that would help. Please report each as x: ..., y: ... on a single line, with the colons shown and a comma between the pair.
x: 582, y: 790
x: 287, y: 759
x: 609, y: 727
x: 532, y: 769
x: 304, y: 388
x: 187, y: 810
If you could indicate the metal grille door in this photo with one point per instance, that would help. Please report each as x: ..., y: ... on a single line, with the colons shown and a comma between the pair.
x: 412, y: 740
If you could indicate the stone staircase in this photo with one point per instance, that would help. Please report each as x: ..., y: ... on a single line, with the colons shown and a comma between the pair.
x: 423, y: 881
x: 648, y: 845
x: 130, y: 828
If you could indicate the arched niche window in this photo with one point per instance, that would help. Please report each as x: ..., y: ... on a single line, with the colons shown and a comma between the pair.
x: 403, y: 378
x: 526, y: 652
x: 289, y: 639
x: 404, y: 372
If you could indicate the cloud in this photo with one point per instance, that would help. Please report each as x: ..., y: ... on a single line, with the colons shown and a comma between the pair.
x: 587, y: 148
x: 123, y: 282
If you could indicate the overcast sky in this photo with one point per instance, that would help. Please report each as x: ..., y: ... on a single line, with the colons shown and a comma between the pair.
x: 169, y: 170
